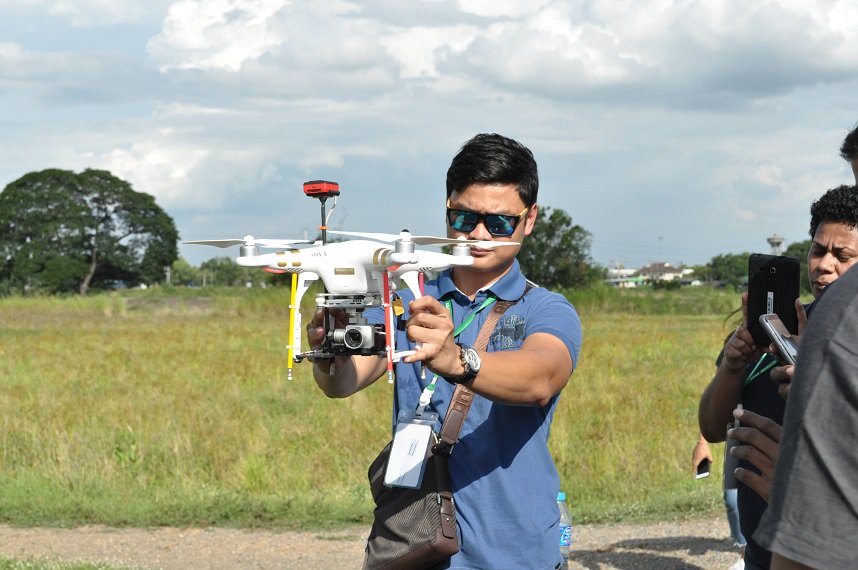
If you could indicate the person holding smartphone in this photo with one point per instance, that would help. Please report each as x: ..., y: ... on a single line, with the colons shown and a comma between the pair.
x: 812, y: 521
x: 748, y: 375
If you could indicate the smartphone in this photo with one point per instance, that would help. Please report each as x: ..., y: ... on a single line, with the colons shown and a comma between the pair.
x: 773, y: 287
x: 786, y: 343
x: 703, y: 469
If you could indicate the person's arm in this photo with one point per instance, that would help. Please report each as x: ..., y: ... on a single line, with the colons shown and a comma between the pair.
x: 724, y: 391
x: 761, y: 445
x: 351, y: 373
x: 529, y: 376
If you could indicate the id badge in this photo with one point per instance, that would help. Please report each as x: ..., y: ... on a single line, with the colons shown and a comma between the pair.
x: 410, y: 448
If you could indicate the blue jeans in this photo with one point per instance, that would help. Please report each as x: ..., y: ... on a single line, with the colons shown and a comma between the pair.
x: 733, y: 516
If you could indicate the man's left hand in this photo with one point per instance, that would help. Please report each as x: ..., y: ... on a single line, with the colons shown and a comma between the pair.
x: 760, y: 438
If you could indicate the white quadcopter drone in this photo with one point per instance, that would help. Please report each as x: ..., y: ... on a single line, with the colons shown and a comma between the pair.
x: 356, y: 274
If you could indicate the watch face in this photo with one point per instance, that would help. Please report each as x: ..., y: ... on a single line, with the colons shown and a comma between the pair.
x: 472, y: 358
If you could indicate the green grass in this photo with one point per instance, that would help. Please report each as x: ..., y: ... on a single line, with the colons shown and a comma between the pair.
x: 171, y: 407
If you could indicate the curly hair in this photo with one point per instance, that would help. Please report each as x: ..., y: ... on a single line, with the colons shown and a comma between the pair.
x: 839, y: 205
x: 849, y: 148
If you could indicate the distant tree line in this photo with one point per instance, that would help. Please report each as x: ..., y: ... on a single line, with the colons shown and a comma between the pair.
x: 67, y: 232
x: 731, y: 269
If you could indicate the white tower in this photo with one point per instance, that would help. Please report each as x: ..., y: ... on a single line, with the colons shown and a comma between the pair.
x: 776, y: 242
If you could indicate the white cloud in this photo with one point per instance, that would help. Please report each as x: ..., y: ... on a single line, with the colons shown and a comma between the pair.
x: 158, y: 169
x: 87, y: 13
x: 501, y: 8
x: 415, y: 49
x: 216, y: 34
x: 717, y: 120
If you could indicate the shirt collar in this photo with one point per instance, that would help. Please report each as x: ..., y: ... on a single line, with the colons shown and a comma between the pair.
x: 508, y: 288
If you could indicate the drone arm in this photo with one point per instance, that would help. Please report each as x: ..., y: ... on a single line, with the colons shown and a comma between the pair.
x: 412, y: 280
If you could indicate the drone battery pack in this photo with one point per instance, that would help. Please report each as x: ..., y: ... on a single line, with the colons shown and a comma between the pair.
x: 321, y: 188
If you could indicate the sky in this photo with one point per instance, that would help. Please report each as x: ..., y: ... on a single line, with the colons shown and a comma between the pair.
x: 670, y: 130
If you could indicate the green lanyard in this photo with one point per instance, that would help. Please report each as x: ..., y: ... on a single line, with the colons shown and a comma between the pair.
x: 470, y: 318
x: 426, y: 396
x: 757, y: 371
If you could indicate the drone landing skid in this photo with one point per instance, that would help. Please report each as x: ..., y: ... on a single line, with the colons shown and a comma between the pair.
x: 397, y: 356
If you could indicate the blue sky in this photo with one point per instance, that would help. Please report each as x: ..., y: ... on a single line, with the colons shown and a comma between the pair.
x: 672, y: 131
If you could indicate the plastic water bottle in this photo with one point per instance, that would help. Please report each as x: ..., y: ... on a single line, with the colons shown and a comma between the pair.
x: 565, y: 529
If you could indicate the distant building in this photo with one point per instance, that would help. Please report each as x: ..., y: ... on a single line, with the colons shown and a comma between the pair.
x: 663, y: 271
x: 654, y: 272
x: 622, y: 277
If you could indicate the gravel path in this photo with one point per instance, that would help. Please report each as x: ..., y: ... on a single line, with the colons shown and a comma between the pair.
x: 675, y: 545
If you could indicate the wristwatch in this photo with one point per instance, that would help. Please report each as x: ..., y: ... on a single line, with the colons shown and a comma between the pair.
x: 470, y: 362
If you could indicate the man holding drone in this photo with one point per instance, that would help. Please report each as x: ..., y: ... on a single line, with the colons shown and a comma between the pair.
x: 504, y: 479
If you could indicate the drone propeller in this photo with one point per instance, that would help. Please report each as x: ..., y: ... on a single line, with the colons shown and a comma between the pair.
x: 405, y: 236
x: 248, y: 241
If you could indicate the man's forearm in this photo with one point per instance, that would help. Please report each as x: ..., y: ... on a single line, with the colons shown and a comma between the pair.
x: 342, y: 376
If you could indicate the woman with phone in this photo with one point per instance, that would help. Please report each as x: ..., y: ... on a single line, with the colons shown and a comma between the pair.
x: 749, y: 375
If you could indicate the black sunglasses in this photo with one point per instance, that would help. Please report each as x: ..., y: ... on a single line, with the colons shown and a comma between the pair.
x: 501, y: 225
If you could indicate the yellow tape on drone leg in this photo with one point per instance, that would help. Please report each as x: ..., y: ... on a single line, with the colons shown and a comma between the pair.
x: 290, y: 353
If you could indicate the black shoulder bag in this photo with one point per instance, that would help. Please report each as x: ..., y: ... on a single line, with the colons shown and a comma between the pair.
x: 414, y: 529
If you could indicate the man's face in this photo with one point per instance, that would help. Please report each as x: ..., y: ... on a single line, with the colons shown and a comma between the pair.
x: 492, y: 199
x: 834, y: 250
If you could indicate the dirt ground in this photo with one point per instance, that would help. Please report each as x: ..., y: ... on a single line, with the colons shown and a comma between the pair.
x: 696, y: 544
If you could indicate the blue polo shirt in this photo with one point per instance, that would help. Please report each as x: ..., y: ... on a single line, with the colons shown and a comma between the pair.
x: 504, y: 480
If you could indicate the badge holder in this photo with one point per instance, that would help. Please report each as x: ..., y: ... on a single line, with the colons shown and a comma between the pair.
x: 410, y: 449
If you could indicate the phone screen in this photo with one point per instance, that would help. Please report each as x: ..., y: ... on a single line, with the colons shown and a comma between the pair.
x: 785, y: 342
x: 703, y: 469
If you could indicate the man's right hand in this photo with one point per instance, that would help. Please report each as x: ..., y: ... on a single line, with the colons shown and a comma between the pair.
x: 760, y: 445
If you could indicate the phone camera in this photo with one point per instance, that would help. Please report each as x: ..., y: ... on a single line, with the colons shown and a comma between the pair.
x: 772, y: 270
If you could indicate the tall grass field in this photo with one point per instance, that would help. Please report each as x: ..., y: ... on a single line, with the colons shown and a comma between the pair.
x: 171, y: 407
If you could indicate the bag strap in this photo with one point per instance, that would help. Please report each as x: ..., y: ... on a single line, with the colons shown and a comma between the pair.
x: 463, y: 397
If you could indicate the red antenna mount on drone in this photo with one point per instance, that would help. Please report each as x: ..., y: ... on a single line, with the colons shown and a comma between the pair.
x: 322, y: 190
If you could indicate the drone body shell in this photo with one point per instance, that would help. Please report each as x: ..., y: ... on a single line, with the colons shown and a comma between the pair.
x: 352, y: 267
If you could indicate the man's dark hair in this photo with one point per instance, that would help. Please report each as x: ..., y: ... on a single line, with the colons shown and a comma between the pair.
x: 849, y: 148
x: 838, y: 205
x: 494, y: 159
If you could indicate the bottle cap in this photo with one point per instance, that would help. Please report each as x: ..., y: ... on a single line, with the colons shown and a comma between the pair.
x: 561, y: 496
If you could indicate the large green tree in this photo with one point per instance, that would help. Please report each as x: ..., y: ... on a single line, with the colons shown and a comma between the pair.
x: 728, y: 269
x: 62, y: 231
x: 557, y: 253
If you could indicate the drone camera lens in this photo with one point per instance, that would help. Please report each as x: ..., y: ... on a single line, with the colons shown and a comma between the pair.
x: 353, y: 338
